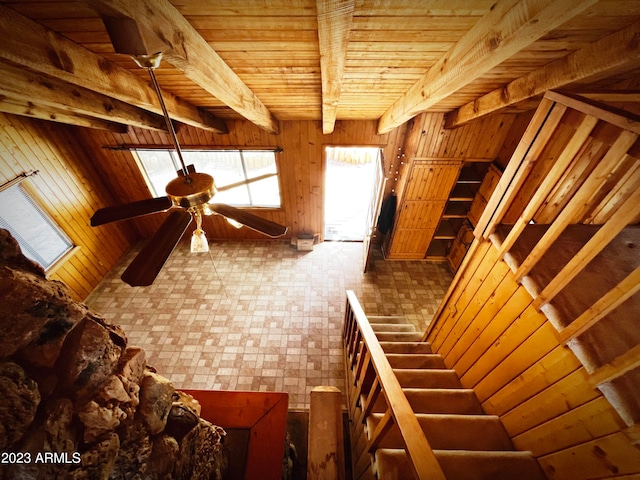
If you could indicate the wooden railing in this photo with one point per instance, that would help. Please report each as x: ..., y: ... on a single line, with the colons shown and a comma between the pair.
x: 372, y: 375
x: 592, y: 180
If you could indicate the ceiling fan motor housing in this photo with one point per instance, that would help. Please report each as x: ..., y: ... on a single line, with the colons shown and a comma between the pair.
x: 187, y: 194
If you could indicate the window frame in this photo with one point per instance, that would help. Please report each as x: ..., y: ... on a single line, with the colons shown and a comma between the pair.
x: 35, y: 201
x: 246, y: 182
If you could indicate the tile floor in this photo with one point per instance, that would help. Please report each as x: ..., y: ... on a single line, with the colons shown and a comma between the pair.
x: 260, y: 315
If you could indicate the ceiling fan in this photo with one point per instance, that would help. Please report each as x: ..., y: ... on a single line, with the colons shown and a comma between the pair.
x: 191, y: 191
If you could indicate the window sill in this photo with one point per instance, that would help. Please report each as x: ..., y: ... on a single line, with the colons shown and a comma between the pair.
x: 61, y: 261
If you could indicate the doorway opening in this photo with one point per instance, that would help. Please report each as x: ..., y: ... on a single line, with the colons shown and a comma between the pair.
x: 349, y: 187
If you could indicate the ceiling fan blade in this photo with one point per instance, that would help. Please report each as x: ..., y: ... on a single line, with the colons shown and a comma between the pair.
x: 130, y: 210
x: 145, y: 267
x: 250, y: 220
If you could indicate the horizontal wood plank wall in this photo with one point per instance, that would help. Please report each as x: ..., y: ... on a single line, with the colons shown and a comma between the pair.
x: 70, y: 190
x: 300, y: 166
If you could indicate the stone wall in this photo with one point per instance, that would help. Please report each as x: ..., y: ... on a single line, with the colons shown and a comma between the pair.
x: 77, y: 402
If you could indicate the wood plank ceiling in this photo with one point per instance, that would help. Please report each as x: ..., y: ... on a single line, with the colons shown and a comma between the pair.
x: 328, y: 60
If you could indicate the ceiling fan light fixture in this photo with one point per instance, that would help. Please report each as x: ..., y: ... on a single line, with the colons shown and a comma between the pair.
x: 199, y: 243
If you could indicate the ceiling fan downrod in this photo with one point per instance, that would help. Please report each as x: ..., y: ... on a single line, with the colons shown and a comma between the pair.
x: 150, y: 63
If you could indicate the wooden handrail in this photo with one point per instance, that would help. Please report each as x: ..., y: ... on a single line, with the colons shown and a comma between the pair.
x: 417, y: 447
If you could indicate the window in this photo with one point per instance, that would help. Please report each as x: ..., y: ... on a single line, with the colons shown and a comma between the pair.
x: 227, y: 167
x: 40, y: 238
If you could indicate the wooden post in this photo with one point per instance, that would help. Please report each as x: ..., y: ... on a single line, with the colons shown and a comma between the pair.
x: 325, y: 459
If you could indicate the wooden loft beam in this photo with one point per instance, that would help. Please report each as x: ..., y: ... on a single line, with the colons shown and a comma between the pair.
x: 615, y: 53
x: 505, y: 30
x: 31, y: 109
x: 191, y: 53
x: 24, y: 85
x: 334, y: 24
x: 613, y: 96
x: 29, y: 44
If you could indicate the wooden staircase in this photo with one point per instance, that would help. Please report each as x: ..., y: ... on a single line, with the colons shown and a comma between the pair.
x: 463, y: 442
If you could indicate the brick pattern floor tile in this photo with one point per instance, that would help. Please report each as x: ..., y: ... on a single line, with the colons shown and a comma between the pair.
x: 259, y: 315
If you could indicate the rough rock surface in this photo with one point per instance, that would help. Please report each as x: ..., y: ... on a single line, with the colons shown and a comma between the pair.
x: 99, y: 460
x: 156, y: 398
x: 89, y: 357
x: 164, y: 452
x: 201, y: 456
x: 11, y: 255
x: 20, y: 400
x: 134, y: 453
x: 71, y: 388
x: 39, y: 316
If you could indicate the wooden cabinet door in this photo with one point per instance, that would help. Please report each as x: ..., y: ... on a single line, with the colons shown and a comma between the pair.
x: 423, y: 201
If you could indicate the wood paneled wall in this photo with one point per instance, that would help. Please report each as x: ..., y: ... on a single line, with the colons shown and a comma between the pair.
x: 300, y: 167
x: 69, y: 190
x: 78, y: 176
x: 301, y: 163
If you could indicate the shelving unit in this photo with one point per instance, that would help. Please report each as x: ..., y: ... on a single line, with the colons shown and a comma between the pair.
x: 456, y: 211
x: 438, y: 210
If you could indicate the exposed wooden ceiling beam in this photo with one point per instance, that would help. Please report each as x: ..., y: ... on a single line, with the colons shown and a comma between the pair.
x: 191, y: 53
x: 334, y: 24
x: 31, y: 109
x: 506, y: 29
x: 26, y: 85
x: 613, y: 54
x: 31, y: 45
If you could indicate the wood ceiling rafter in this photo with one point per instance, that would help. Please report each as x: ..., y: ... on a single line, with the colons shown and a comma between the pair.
x: 505, y: 30
x: 25, y: 85
x: 334, y: 24
x: 191, y: 54
x: 617, y: 52
x: 51, y: 54
x: 29, y: 108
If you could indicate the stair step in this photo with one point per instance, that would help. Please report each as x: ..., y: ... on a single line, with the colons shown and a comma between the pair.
x: 418, y: 378
x: 435, y: 400
x: 443, y: 400
x: 393, y: 327
x: 386, y: 319
x: 406, y: 347
x: 415, y: 360
x: 450, y: 432
x: 461, y: 401
x: 392, y: 464
x: 399, y: 336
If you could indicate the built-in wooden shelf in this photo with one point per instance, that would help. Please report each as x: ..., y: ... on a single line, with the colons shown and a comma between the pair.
x: 456, y: 210
x: 463, y: 192
x: 437, y: 250
x: 445, y: 231
x: 470, y: 175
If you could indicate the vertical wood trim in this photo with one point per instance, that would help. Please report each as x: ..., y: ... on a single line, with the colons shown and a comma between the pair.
x: 607, y: 303
x: 561, y: 164
x: 513, y: 177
